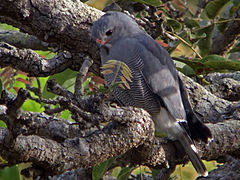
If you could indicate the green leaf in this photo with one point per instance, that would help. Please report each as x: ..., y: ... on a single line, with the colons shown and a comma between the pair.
x: 174, y: 24
x: 213, y: 8
x: 101, y: 168
x: 65, y: 115
x: 236, y: 2
x: 10, y: 173
x: 196, y: 36
x: 66, y: 79
x: 213, y: 57
x: 191, y: 23
x: 148, y: 2
x: 8, y: 27
x: 125, y: 173
x: 32, y: 106
x: 116, y: 171
x: 212, y: 63
x: 46, y: 54
x: 222, y: 26
x: 188, y: 71
x: 219, y: 63
x: 233, y: 10
x: 155, y: 172
x: 3, y: 124
x: 195, y: 64
x: 205, y: 44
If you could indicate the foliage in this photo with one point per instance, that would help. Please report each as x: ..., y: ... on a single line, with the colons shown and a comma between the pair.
x: 149, y: 2
x: 196, y: 37
x: 10, y: 173
x: 100, y: 169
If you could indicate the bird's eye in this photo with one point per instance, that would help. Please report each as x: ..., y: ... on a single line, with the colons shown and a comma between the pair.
x: 109, y: 32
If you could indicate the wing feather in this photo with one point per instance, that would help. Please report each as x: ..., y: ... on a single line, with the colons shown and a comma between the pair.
x: 161, y: 75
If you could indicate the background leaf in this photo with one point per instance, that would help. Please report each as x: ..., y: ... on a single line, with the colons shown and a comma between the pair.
x: 205, y: 44
x: 149, y: 2
x: 174, y: 24
x: 10, y: 173
x: 214, y: 7
x: 124, y: 173
x: 66, y: 79
x: 191, y: 23
x: 101, y: 168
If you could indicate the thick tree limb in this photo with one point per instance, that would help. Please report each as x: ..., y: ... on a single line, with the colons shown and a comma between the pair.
x: 225, y: 85
x: 152, y: 152
x: 30, y: 62
x: 229, y: 170
x: 80, y: 173
x: 22, y: 40
x: 114, y: 139
x: 209, y: 107
x: 66, y: 27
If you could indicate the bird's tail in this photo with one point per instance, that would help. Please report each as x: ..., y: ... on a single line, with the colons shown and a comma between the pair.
x: 192, y: 153
x: 195, y: 127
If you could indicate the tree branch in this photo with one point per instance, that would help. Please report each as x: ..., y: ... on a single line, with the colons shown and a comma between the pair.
x: 66, y: 27
x: 225, y: 85
x: 226, y: 171
x: 22, y: 40
x: 113, y: 140
x: 30, y: 62
x: 208, y: 107
x: 82, y: 152
x: 130, y: 133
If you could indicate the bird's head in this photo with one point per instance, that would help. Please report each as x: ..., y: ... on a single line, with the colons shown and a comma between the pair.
x: 112, y: 26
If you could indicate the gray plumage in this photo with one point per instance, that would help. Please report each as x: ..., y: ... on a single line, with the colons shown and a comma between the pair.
x: 156, y: 86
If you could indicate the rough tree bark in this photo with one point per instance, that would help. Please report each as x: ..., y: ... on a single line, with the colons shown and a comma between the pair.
x: 54, y: 145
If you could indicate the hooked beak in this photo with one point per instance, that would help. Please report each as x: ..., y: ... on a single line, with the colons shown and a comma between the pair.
x: 102, y: 42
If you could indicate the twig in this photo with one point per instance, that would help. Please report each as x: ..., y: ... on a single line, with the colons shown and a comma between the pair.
x: 46, y: 101
x: 79, y: 89
x: 53, y: 111
x: 35, y: 90
x: 185, y: 42
x: 201, y: 6
x: 17, y: 102
x: 12, y: 112
x: 65, y: 103
x: 57, y: 89
x: 226, y: 20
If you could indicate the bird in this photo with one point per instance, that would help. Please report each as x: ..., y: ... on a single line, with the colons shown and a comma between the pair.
x: 155, y: 84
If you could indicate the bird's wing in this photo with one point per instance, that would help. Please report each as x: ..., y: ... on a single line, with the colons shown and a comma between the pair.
x: 160, y: 73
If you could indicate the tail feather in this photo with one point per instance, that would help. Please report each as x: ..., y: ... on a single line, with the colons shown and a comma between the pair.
x: 192, y: 153
x: 196, y: 128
